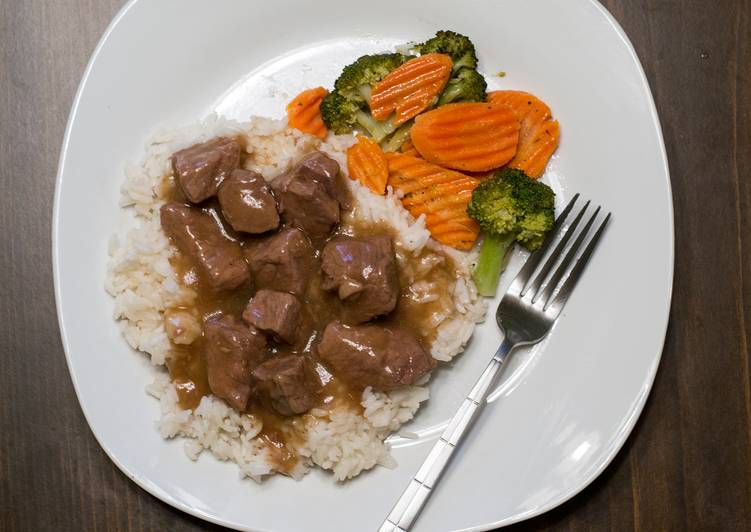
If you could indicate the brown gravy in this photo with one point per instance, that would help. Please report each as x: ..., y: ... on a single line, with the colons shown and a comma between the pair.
x: 187, y: 366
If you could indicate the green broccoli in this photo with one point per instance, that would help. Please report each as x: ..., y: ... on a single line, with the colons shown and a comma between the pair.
x: 466, y: 83
x: 509, y: 206
x: 358, y: 79
x: 346, y: 107
x: 459, y: 47
x: 395, y: 141
x: 466, y: 86
x: 342, y: 115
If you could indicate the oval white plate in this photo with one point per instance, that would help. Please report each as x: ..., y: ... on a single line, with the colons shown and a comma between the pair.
x: 567, y: 406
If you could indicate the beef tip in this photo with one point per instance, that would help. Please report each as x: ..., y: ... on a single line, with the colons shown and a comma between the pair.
x: 287, y: 384
x: 282, y: 262
x: 200, y: 169
x: 247, y: 203
x: 384, y: 357
x: 321, y: 166
x: 233, y: 350
x: 278, y: 313
x: 198, y: 235
x: 309, y: 195
x: 306, y: 204
x: 363, y: 273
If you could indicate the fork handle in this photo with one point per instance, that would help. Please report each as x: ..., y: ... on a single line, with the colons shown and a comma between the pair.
x: 413, y: 499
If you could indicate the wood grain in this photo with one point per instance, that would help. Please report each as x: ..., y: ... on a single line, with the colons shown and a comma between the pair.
x: 687, y: 465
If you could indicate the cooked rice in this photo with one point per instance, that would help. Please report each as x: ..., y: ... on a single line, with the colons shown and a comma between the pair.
x: 144, y: 286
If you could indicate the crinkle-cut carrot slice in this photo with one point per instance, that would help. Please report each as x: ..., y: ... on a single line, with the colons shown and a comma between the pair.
x: 441, y: 195
x: 303, y: 112
x: 367, y: 164
x: 539, y: 134
x: 472, y: 136
x: 410, y: 88
x: 528, y: 107
x: 409, y: 149
x: 532, y: 157
x: 408, y: 173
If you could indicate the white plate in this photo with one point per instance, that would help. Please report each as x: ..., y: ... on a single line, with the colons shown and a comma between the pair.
x: 568, y: 405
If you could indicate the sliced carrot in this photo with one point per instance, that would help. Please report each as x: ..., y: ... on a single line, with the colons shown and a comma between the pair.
x: 303, y: 112
x: 409, y: 149
x: 439, y: 194
x: 473, y: 136
x: 528, y: 107
x: 367, y: 164
x: 410, y: 89
x: 539, y: 133
x: 533, y: 156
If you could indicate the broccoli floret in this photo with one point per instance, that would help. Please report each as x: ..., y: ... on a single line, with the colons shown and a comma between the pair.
x: 357, y: 80
x: 341, y: 115
x: 338, y: 113
x: 346, y: 107
x: 466, y: 83
x: 509, y: 206
x: 395, y: 141
x: 459, y: 47
x: 466, y: 86
x: 378, y: 129
x: 512, y: 202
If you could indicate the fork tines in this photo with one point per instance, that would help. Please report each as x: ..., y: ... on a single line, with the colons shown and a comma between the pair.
x: 549, y: 288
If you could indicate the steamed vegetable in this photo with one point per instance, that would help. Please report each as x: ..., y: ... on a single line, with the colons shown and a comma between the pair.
x: 538, y: 135
x: 343, y: 116
x: 397, y: 140
x: 509, y: 207
x: 407, y: 148
x: 367, y: 164
x: 439, y: 194
x: 303, y: 112
x: 346, y: 107
x: 466, y: 86
x: 410, y: 88
x: 457, y: 46
x: 470, y: 137
x: 466, y: 83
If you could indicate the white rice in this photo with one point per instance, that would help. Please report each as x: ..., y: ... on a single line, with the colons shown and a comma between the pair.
x: 144, y: 286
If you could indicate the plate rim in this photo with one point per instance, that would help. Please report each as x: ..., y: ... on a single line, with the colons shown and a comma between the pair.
x: 621, y: 436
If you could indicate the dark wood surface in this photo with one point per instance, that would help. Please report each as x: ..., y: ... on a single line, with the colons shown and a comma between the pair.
x: 687, y: 465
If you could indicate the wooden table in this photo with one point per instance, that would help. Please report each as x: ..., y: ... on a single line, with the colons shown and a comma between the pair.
x: 687, y: 465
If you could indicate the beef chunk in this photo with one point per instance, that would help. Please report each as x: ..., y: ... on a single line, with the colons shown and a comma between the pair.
x: 282, y: 262
x: 322, y: 167
x: 278, y: 313
x: 200, y: 169
x: 232, y: 351
x: 384, y: 357
x: 247, y: 202
x: 196, y: 234
x: 287, y: 384
x: 310, y: 196
x: 363, y: 273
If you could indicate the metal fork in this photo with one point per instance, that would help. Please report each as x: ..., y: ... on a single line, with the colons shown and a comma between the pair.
x: 525, y: 315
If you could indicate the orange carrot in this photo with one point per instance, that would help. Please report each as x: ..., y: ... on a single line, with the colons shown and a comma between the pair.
x: 472, y: 137
x: 409, y: 149
x: 367, y: 164
x: 527, y: 107
x: 439, y: 194
x: 303, y: 112
x: 411, y: 88
x: 539, y: 134
x: 533, y: 156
